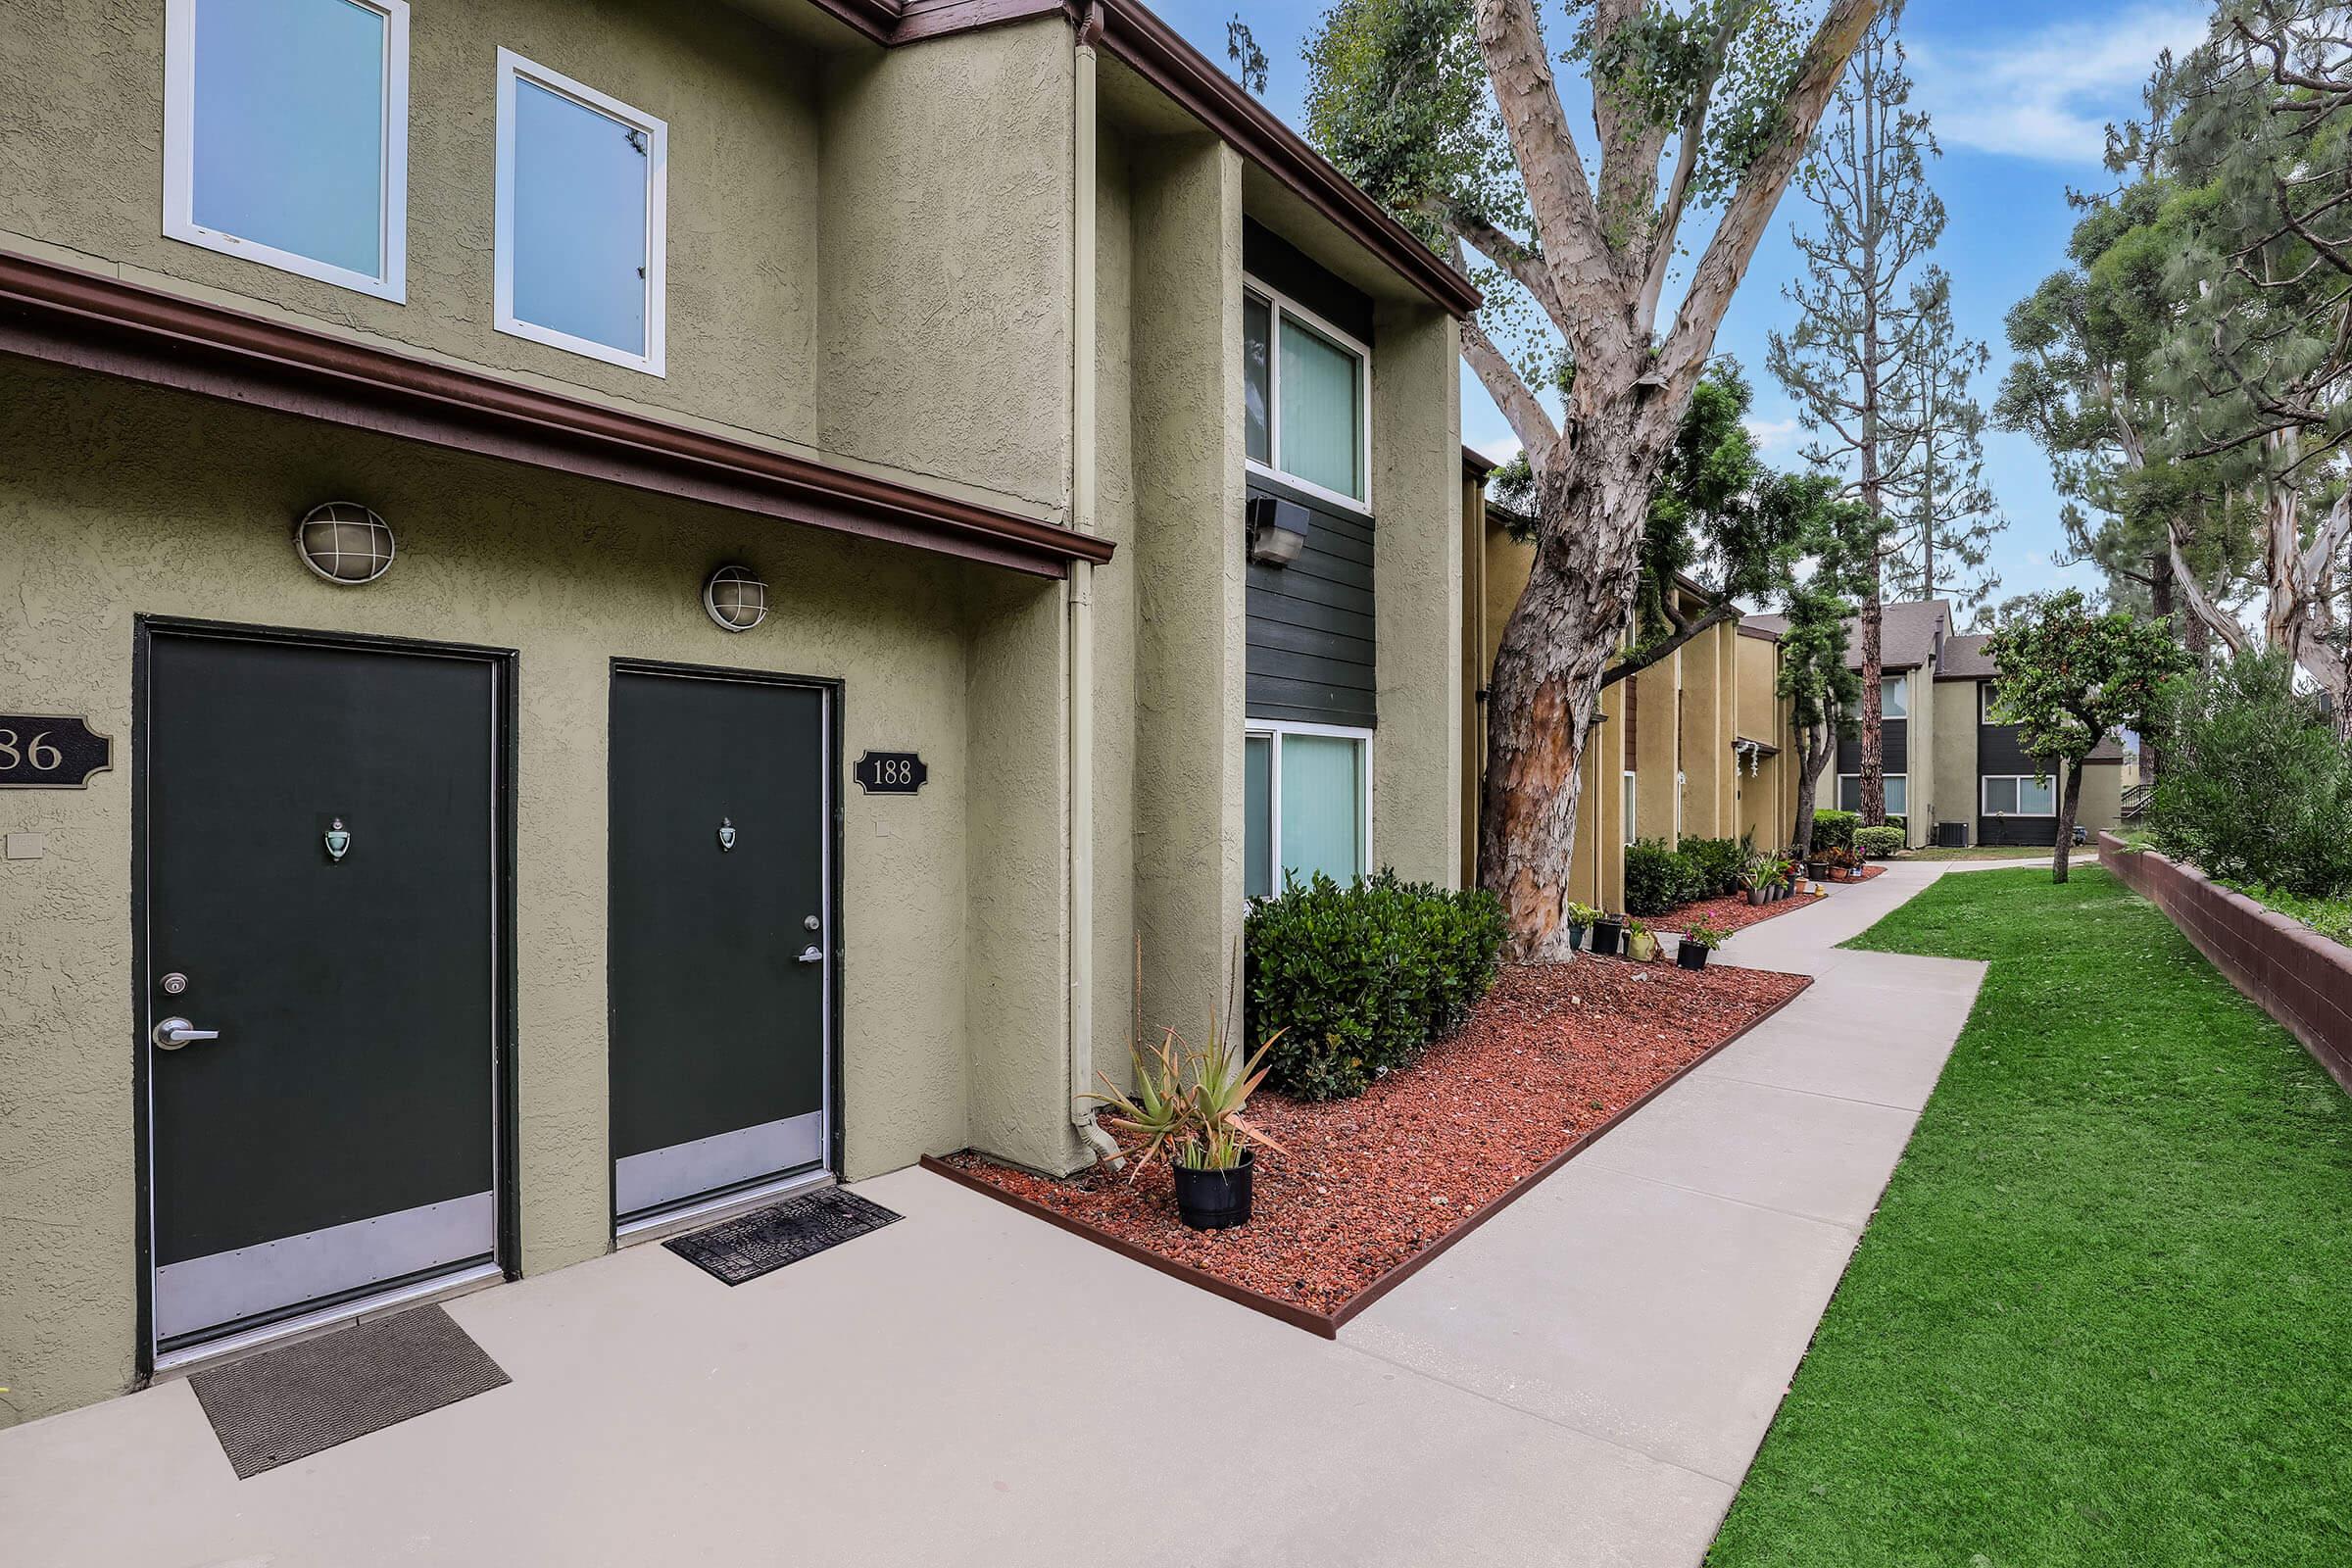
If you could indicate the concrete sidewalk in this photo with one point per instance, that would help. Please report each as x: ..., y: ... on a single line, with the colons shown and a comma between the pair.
x: 1582, y: 1381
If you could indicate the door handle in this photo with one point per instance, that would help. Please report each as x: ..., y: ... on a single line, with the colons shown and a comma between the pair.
x: 813, y: 954
x: 173, y: 1033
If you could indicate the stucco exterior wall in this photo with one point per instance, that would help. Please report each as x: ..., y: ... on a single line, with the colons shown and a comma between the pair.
x: 117, y: 501
x: 948, y: 198
x: 1114, y: 590
x: 2101, y: 808
x: 1709, y: 708
x: 1185, y: 347
x: 1417, y: 575
x: 1918, y: 822
x: 1657, y: 754
x: 1955, y: 757
x: 81, y: 166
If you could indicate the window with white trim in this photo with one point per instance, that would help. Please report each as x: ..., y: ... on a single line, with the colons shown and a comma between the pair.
x: 1631, y: 790
x: 1306, y: 398
x: 580, y: 221
x: 1986, y: 697
x: 2018, y: 795
x: 1306, y: 803
x: 1898, y: 792
x: 286, y: 135
x: 1895, y: 697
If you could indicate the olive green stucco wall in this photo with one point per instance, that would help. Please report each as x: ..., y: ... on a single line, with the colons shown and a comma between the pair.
x: 1955, y: 761
x: 119, y: 501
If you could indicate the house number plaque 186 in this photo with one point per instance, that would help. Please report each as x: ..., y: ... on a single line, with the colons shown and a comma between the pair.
x: 890, y: 773
x: 51, y: 752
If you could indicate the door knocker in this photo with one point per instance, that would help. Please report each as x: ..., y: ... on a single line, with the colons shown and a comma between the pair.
x: 726, y: 833
x: 338, y: 841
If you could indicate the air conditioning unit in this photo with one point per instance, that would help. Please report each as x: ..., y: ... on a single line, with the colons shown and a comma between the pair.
x: 1952, y: 835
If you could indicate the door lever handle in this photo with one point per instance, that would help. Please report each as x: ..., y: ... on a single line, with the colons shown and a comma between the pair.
x: 813, y: 954
x: 173, y: 1033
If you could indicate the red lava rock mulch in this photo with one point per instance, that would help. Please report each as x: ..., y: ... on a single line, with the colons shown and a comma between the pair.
x: 1550, y: 1053
x: 1732, y: 912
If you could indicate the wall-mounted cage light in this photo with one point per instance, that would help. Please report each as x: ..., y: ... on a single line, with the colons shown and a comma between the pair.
x: 344, y: 543
x: 735, y: 599
x: 1277, y: 530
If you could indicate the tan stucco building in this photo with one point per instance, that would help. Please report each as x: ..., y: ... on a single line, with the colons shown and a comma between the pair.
x: 479, y: 875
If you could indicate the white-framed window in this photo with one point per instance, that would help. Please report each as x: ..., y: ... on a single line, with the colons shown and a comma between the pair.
x: 286, y: 135
x: 581, y: 218
x: 1895, y: 697
x: 2017, y: 795
x: 1986, y: 695
x: 1306, y: 803
x: 1307, y: 396
x: 1898, y: 792
x: 1632, y: 791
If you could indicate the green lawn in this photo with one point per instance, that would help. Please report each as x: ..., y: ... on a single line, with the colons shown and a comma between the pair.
x: 1993, y: 852
x: 2104, y: 1314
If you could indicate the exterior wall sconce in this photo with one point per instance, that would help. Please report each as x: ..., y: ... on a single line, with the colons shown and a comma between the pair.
x: 735, y: 599
x: 1277, y: 530
x: 344, y: 543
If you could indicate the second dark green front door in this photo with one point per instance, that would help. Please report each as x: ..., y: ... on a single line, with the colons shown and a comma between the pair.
x: 720, y: 934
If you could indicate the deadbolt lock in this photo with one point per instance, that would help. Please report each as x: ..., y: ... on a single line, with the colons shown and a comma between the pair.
x: 812, y: 923
x: 174, y: 983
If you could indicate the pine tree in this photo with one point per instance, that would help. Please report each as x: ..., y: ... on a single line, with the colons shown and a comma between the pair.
x: 1858, y: 318
x: 1943, y: 516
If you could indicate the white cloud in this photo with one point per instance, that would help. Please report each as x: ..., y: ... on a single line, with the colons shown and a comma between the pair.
x: 2049, y: 94
x: 1774, y: 439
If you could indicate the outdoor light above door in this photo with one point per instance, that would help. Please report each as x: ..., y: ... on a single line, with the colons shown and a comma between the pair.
x: 735, y: 599
x: 1277, y: 530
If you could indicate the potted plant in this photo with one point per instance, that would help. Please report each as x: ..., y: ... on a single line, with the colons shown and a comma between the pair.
x: 1607, y: 929
x: 1187, y: 1105
x: 1641, y: 945
x: 1697, y: 941
x: 1580, y: 920
x: 1756, y: 876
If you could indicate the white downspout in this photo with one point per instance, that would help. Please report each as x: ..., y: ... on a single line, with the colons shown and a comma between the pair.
x: 1082, y: 608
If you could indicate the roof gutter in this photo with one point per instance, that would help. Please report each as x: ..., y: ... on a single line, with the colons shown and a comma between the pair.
x: 65, y: 316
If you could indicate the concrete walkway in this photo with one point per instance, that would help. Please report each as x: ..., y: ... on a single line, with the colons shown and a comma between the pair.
x: 1582, y: 1381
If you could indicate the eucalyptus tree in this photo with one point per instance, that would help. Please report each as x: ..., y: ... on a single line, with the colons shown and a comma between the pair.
x: 1942, y: 516
x: 1859, y: 316
x: 1449, y: 113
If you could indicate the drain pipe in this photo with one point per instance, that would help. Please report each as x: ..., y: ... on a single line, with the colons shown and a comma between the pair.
x: 1082, y: 605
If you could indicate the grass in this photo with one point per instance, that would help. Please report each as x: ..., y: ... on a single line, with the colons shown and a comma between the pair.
x: 1992, y: 852
x: 2100, y: 1315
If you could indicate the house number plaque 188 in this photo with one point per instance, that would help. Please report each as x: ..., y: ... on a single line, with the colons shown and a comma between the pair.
x: 890, y: 773
x: 51, y: 752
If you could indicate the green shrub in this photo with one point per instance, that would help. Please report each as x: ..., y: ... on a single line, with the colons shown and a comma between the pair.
x: 1657, y: 878
x: 1360, y: 979
x: 1834, y: 829
x: 2255, y: 787
x: 1895, y: 821
x: 1879, y: 842
x: 1718, y: 863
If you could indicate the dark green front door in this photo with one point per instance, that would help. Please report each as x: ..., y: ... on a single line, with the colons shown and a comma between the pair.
x: 323, y: 864
x: 720, y: 934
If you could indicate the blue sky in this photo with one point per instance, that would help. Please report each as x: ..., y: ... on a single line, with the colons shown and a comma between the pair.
x: 2019, y: 94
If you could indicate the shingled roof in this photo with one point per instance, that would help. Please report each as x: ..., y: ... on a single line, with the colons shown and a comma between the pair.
x: 1964, y: 659
x: 1907, y: 632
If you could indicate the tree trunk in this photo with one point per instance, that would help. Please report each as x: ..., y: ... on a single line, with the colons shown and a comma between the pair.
x: 1812, y: 750
x: 2160, y: 600
x: 1874, y: 735
x: 1548, y: 670
x: 2069, y: 799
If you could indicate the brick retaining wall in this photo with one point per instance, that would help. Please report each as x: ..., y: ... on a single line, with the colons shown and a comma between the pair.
x: 2286, y: 968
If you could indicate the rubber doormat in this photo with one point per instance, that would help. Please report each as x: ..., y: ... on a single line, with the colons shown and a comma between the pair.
x: 766, y: 1239
x: 289, y: 1404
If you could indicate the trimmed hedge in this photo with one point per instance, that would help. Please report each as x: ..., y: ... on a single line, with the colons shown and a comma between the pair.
x: 1719, y: 864
x: 1879, y: 842
x: 1360, y: 979
x: 1657, y: 878
x: 1834, y: 829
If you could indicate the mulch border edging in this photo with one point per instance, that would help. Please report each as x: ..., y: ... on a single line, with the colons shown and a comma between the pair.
x: 1329, y: 1324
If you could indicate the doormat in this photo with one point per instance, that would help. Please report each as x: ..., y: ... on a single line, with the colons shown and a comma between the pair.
x: 289, y: 1404
x: 766, y: 1239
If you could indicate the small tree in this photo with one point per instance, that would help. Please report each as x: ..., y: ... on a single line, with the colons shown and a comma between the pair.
x: 1820, y: 687
x: 2068, y: 675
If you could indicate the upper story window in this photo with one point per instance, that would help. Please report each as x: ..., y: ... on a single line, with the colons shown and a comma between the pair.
x: 580, y: 217
x: 1987, y: 697
x: 1895, y: 697
x: 286, y: 135
x: 1305, y: 387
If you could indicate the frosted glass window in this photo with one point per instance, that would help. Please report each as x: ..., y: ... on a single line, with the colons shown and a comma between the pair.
x: 1895, y: 696
x: 1257, y: 815
x: 1257, y: 331
x: 1322, y: 411
x: 286, y: 134
x: 579, y: 217
x: 1322, y: 802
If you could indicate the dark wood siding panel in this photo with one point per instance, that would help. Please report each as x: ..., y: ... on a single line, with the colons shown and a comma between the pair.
x: 1312, y: 656
x: 1998, y: 752
x: 1894, y: 746
x: 2025, y: 830
x: 1282, y: 266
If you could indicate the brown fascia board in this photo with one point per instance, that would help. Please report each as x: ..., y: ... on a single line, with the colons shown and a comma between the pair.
x: 68, y: 316
x: 1760, y: 633
x: 1160, y: 55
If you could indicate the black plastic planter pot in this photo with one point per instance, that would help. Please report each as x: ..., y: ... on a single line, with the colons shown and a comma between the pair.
x: 1215, y: 1200
x: 1689, y: 956
x: 1604, y: 937
x: 1576, y: 938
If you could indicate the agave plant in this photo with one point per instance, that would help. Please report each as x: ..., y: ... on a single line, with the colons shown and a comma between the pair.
x: 1188, y: 1102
